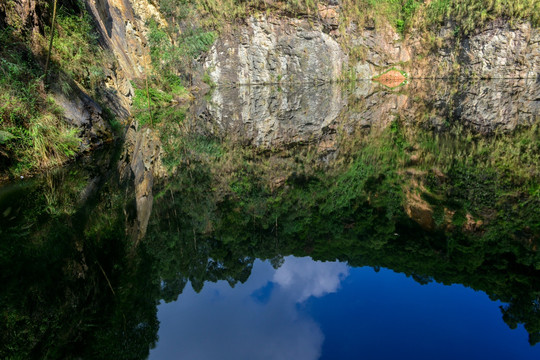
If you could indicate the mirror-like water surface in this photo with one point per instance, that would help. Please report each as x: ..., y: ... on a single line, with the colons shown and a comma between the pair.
x: 309, y: 309
x: 310, y: 222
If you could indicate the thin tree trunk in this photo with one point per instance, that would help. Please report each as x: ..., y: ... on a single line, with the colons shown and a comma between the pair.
x: 51, y: 42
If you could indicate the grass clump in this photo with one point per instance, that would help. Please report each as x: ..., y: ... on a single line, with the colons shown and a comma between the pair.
x: 34, y: 133
x: 466, y: 14
x: 76, y: 49
x: 173, y: 51
x: 214, y: 13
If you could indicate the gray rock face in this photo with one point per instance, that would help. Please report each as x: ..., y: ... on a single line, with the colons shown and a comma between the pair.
x: 486, y: 106
x: 270, y: 116
x: 500, y: 51
x: 86, y: 115
x: 269, y: 50
x: 123, y: 30
x: 381, y: 49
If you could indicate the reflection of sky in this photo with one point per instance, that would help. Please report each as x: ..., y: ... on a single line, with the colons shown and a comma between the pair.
x: 256, y: 320
x: 308, y: 310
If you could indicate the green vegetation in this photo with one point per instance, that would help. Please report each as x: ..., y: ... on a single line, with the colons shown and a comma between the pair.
x: 472, y: 14
x: 35, y: 135
x: 402, y: 14
x: 75, y: 282
x: 77, y: 53
x: 67, y: 281
x: 466, y: 15
x: 487, y: 173
x: 39, y: 136
x: 173, y: 52
x: 164, y: 106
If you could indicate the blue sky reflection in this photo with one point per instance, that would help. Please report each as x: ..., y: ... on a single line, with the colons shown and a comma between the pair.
x: 259, y: 319
x: 310, y: 309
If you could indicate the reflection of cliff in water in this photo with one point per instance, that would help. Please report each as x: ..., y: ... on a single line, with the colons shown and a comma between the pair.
x: 75, y: 282
x: 271, y: 116
x: 485, y: 106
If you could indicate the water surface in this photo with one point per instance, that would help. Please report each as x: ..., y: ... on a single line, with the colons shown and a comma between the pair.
x: 305, y: 222
x: 309, y: 309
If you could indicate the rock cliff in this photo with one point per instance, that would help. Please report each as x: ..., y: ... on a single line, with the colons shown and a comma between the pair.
x: 497, y: 51
x: 271, y: 49
x: 139, y: 163
x: 123, y: 31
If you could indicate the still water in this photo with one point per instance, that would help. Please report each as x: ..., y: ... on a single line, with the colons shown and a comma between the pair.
x: 321, y: 222
x: 309, y: 309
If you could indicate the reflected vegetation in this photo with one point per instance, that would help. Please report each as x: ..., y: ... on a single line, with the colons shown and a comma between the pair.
x: 437, y: 181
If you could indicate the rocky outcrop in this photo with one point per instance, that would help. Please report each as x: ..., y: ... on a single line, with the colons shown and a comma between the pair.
x: 497, y: 51
x: 269, y: 50
x: 502, y: 51
x: 81, y: 111
x: 484, y: 106
x: 123, y: 30
x: 272, y: 49
x: 380, y: 49
x: 25, y: 15
x: 121, y: 33
x: 498, y: 105
x: 277, y: 117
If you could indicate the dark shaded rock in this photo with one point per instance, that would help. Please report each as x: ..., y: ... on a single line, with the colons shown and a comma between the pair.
x: 483, y: 106
x: 499, y: 105
x: 84, y: 113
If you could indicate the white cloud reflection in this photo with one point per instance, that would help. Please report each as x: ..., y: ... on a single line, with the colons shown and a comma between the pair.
x: 256, y: 320
x: 304, y: 277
